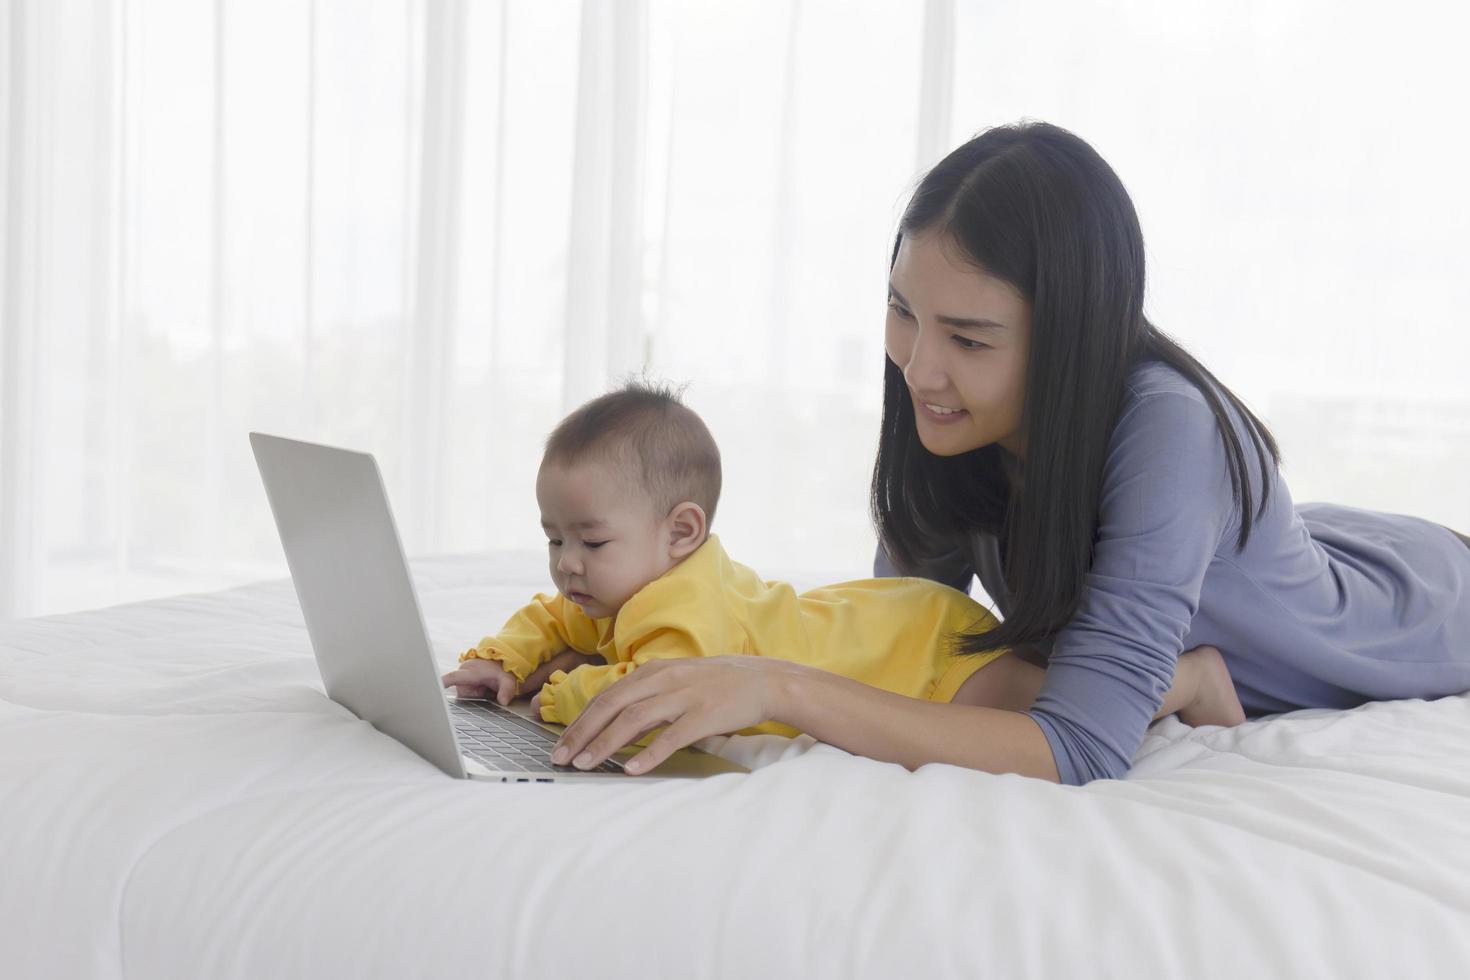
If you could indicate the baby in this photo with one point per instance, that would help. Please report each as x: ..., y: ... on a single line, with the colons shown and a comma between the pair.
x: 628, y: 487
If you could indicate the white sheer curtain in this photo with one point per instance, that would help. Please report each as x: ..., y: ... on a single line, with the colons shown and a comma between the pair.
x: 428, y: 229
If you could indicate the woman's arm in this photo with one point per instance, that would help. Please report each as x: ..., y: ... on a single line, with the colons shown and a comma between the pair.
x: 696, y: 698
x: 1164, y: 511
x: 889, y: 727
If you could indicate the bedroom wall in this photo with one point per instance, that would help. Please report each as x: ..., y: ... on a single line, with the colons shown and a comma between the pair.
x: 428, y: 229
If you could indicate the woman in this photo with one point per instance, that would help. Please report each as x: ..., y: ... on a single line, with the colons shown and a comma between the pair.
x: 1119, y: 504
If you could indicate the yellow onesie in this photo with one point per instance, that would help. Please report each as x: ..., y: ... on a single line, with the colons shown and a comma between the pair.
x: 886, y: 632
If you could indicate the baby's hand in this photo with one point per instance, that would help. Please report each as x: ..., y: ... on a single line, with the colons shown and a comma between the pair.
x: 478, y: 678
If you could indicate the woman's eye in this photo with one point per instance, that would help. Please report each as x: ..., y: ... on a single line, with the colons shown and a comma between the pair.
x: 964, y: 344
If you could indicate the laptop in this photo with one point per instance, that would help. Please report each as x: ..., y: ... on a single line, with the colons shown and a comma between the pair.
x: 368, y: 633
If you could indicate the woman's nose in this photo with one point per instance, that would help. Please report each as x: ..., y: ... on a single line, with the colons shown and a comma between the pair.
x: 925, y: 368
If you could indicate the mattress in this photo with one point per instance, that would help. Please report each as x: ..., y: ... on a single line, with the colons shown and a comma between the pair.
x: 181, y: 799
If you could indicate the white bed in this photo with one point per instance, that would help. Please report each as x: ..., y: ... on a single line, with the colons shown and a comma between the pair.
x: 182, y: 800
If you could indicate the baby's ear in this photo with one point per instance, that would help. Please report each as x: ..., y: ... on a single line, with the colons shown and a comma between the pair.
x: 688, y: 528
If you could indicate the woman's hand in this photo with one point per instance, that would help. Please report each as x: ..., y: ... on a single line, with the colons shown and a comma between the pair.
x: 696, y: 697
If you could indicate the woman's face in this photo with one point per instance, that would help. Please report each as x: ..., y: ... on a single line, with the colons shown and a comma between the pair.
x: 978, y: 369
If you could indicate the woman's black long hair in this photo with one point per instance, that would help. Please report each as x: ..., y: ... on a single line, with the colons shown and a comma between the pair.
x: 1036, y: 206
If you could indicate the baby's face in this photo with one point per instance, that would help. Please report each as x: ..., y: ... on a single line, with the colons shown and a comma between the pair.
x: 603, y: 539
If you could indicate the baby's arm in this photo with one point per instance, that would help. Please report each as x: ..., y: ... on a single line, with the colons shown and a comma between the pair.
x: 535, y: 633
x: 564, y: 695
x: 668, y: 619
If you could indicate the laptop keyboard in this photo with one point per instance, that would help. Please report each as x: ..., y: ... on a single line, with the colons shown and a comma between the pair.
x: 504, y: 741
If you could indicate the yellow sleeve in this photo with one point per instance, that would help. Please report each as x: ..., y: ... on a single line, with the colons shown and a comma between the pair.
x: 683, y: 614
x: 535, y: 633
x: 667, y: 622
x: 564, y: 695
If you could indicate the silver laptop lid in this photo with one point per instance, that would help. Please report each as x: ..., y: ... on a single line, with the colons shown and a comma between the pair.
x: 352, y: 580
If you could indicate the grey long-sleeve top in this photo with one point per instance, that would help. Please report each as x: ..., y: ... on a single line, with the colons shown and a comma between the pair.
x: 1327, y: 607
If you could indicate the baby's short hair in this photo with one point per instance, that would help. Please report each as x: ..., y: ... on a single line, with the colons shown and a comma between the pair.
x: 646, y: 429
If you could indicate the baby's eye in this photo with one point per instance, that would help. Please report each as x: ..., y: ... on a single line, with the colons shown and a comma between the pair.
x: 554, y: 543
x: 594, y: 544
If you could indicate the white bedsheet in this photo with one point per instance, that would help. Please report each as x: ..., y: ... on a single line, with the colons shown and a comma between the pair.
x: 182, y: 800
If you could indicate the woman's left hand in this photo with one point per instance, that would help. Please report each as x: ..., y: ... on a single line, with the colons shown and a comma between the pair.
x: 696, y: 697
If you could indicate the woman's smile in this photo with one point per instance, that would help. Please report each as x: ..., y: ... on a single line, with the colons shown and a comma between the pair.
x: 939, y: 418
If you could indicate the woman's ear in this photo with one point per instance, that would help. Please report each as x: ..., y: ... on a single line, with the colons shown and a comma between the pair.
x: 687, y: 528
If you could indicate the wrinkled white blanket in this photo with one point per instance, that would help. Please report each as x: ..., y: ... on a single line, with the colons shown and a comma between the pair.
x: 182, y: 800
